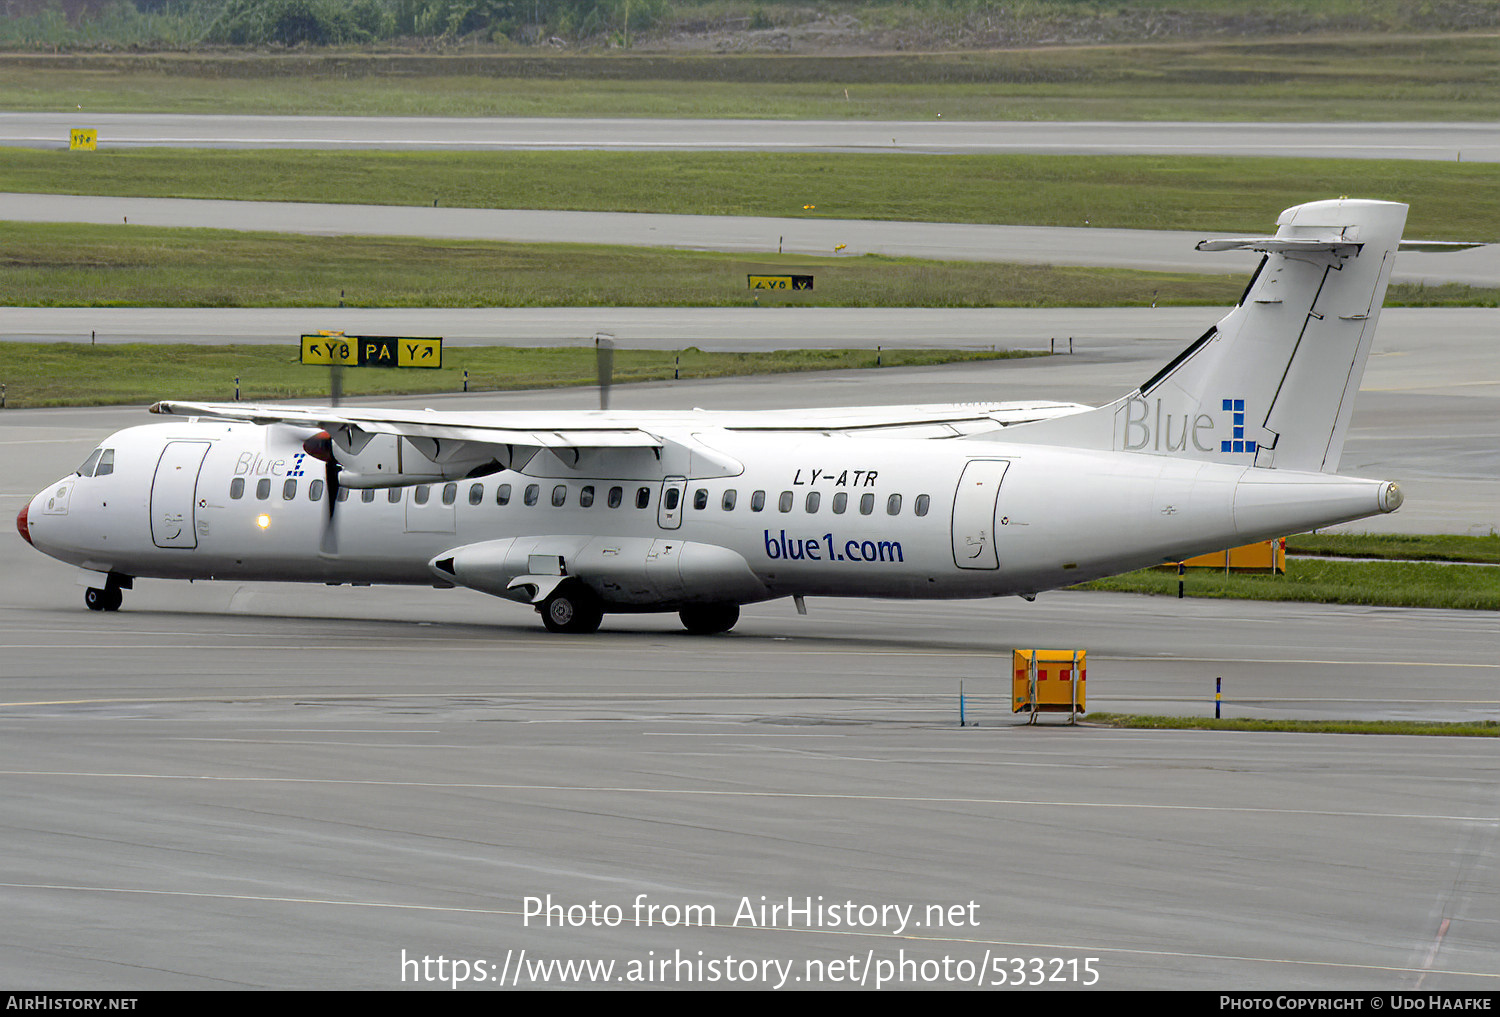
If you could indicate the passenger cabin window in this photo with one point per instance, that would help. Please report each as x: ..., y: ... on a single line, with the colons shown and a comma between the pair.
x: 866, y: 504
x: 421, y: 494
x: 263, y: 488
x: 502, y: 494
x: 586, y: 496
x: 672, y: 496
x: 757, y: 501
x: 450, y: 494
x: 893, y: 505
x: 366, y: 496
x: 315, y: 491
x: 728, y: 502
x: 616, y: 496
x: 237, y: 488
x: 289, y: 490
x: 533, y: 491
x: 344, y: 494
x: 923, y: 504
x: 784, y: 503
x: 476, y: 494
x: 643, y: 497
x: 559, y: 495
x: 700, y: 499
x: 393, y: 495
x: 840, y: 502
x: 813, y: 498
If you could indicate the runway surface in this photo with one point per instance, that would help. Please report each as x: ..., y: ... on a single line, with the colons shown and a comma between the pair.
x: 1449, y: 142
x: 284, y: 786
x: 1152, y: 250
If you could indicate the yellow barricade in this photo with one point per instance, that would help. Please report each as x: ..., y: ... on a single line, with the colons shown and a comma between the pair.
x: 1049, y: 681
x: 1262, y: 556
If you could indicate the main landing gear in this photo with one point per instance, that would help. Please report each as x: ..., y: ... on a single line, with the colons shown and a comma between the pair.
x: 573, y: 609
x: 710, y: 619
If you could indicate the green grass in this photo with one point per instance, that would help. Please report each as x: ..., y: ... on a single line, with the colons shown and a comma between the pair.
x: 1448, y: 200
x: 1369, y: 77
x: 70, y: 265
x: 81, y: 374
x: 1478, y: 729
x: 1412, y: 547
x: 45, y: 265
x: 1329, y: 581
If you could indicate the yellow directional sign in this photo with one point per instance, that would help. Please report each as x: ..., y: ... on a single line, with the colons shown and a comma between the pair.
x: 329, y: 349
x: 419, y: 353
x: 372, y: 351
x: 780, y: 282
x: 83, y: 139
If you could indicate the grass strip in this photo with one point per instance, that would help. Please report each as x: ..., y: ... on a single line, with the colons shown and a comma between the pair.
x: 67, y: 265
x: 1449, y: 200
x: 1319, y: 78
x: 1403, y: 546
x: 1330, y: 581
x: 1475, y: 729
x: 84, y: 265
x: 80, y: 374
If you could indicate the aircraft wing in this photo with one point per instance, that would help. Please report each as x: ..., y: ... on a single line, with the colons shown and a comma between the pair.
x: 575, y: 429
x: 566, y: 431
x: 920, y: 421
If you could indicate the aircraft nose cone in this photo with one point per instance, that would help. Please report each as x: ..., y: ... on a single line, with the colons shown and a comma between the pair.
x: 21, y: 523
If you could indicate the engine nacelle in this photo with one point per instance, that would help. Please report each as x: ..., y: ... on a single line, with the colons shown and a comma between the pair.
x: 626, y: 573
x: 386, y: 460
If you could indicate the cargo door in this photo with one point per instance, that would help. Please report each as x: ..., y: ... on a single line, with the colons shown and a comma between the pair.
x: 974, y: 508
x: 174, y: 493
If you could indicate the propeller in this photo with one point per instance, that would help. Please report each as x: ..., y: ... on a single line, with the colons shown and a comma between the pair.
x: 604, y: 356
x: 320, y: 446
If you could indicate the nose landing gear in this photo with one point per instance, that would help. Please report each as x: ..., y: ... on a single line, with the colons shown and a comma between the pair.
x: 103, y: 600
x: 110, y: 597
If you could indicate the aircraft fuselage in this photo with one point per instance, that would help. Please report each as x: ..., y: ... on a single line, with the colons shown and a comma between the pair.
x: 800, y: 515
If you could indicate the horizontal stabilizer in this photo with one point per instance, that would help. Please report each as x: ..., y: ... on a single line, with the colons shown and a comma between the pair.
x: 1438, y: 246
x: 1282, y: 245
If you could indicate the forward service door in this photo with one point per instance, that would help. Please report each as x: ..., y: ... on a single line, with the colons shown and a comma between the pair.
x: 174, y: 494
x: 975, y: 507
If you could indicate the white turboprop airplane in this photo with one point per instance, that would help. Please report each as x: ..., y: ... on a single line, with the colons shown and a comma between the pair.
x: 584, y: 513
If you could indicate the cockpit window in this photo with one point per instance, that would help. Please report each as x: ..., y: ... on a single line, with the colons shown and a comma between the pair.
x: 106, y: 463
x: 87, y: 469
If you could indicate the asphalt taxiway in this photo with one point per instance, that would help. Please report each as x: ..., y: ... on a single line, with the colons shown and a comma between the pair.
x: 280, y: 786
x: 1148, y: 250
x: 1452, y: 141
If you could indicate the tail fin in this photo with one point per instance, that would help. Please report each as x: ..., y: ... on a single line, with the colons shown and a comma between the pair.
x: 1273, y: 383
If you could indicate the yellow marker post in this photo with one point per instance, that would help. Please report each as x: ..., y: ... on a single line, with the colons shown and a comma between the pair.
x: 83, y: 139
